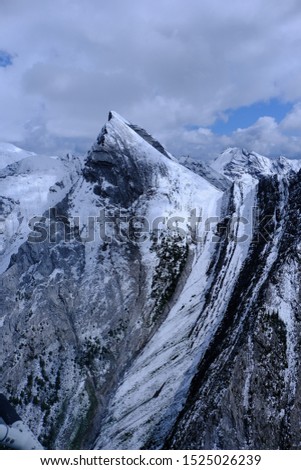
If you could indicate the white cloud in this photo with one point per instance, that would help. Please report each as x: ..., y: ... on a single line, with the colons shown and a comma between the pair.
x: 292, y: 121
x: 162, y: 64
x: 265, y: 136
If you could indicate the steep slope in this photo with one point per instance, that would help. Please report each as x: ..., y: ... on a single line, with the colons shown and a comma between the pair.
x: 247, y: 383
x: 80, y: 303
x: 219, y: 180
x: 155, y: 388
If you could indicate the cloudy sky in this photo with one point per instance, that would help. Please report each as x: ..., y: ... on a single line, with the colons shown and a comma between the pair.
x: 200, y: 75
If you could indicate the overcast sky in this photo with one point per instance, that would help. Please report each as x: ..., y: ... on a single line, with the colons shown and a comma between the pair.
x: 200, y: 75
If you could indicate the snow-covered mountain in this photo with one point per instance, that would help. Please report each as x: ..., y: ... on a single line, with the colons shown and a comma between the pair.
x: 30, y: 184
x: 9, y: 154
x: 139, y: 293
x: 236, y: 162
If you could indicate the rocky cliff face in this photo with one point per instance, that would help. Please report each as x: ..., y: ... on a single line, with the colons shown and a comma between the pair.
x: 248, y: 382
x: 144, y: 295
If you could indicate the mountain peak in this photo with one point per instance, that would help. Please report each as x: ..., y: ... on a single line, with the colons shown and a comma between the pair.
x: 120, y: 134
x: 142, y: 282
x: 9, y: 154
x: 124, y: 160
x: 114, y: 115
x: 234, y: 162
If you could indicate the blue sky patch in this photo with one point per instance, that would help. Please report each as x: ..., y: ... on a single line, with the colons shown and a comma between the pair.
x: 247, y: 115
x: 5, y: 59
